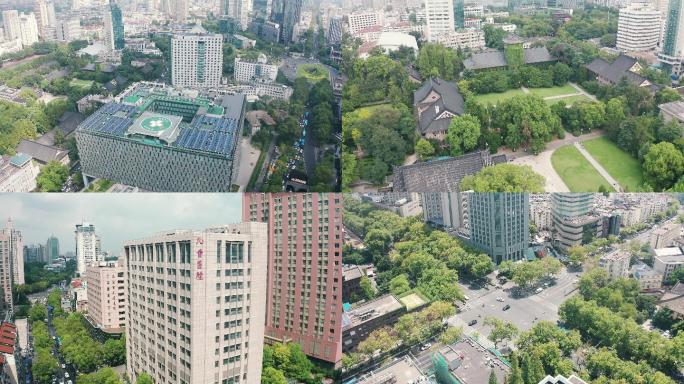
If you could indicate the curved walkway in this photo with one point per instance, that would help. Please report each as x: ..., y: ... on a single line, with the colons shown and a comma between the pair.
x: 598, y: 166
x: 542, y: 165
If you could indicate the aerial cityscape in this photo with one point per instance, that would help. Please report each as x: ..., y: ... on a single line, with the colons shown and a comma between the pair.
x: 170, y: 96
x: 513, y: 288
x: 341, y: 191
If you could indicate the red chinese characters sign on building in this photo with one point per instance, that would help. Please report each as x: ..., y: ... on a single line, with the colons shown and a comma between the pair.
x: 199, y: 259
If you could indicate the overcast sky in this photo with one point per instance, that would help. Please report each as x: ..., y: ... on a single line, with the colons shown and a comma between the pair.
x: 117, y: 217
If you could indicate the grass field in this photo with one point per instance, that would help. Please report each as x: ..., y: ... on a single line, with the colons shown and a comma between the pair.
x: 100, y: 185
x: 313, y: 72
x: 621, y: 165
x: 568, y: 100
x: 577, y: 173
x: 493, y: 98
x: 365, y: 112
x: 412, y: 301
x: 83, y: 84
x: 566, y: 89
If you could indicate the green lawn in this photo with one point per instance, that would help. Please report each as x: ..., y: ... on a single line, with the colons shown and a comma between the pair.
x: 100, y: 185
x: 313, y: 72
x: 577, y: 173
x: 568, y: 100
x: 493, y: 98
x: 553, y: 91
x: 84, y: 84
x: 621, y: 165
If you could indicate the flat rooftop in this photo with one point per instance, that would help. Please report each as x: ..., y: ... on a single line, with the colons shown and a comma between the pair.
x: 163, y: 116
x: 371, y: 310
x: 352, y: 272
x: 669, y: 254
x: 470, y: 362
x: 402, y: 371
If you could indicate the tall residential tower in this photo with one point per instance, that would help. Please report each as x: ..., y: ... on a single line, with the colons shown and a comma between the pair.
x: 196, y: 59
x: 87, y: 247
x: 304, y: 302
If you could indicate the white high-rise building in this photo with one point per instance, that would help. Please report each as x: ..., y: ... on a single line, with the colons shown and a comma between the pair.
x: 440, y: 17
x: 28, y: 28
x: 259, y: 71
x: 13, y: 244
x: 178, y: 10
x: 358, y: 21
x: 10, y: 22
x: 638, y: 27
x: 238, y: 10
x: 196, y: 59
x: 197, y: 302
x: 87, y: 247
x: 45, y: 17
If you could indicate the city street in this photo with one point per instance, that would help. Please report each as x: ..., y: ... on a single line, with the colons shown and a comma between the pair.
x: 524, y: 311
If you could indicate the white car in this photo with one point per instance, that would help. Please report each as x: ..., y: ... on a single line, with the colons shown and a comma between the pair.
x: 425, y: 346
x: 66, y: 374
x: 539, y: 289
x: 500, y: 299
x: 63, y: 366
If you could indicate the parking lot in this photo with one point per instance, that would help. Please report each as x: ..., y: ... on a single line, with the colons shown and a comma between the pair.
x: 524, y: 311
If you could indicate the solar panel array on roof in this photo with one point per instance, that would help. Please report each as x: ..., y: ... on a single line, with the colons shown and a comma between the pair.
x: 103, y: 120
x: 209, y: 134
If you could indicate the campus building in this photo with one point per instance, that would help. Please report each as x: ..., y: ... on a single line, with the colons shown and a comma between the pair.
x: 304, y: 302
x: 196, y: 305
x: 87, y: 247
x: 573, y: 223
x: 106, y: 296
x: 196, y: 58
x: 260, y: 71
x: 163, y: 139
x: 18, y: 173
x: 499, y: 224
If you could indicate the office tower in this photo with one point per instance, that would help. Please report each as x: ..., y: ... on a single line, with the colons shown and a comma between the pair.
x: 499, y: 224
x: 87, y: 247
x: 52, y: 249
x: 638, y: 27
x: 34, y: 253
x: 28, y: 28
x: 10, y: 23
x: 196, y: 59
x: 107, y: 296
x: 292, y: 13
x: 672, y: 47
x: 573, y: 222
x: 238, y: 10
x: 335, y: 30
x: 196, y: 304
x: 114, y: 28
x: 459, y: 15
x: 440, y: 17
x: 277, y: 7
x: 304, y: 301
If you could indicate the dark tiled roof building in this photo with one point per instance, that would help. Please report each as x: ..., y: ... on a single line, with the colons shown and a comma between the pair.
x: 623, y: 67
x: 436, y: 102
x: 497, y: 59
x: 442, y: 175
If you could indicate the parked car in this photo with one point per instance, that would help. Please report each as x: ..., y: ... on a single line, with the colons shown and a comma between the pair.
x: 425, y: 346
x: 507, y: 307
x: 472, y: 322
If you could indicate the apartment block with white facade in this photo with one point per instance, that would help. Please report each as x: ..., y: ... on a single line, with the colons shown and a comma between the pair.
x: 258, y: 71
x: 463, y: 38
x: 196, y: 59
x: 87, y: 247
x: 440, y: 17
x: 106, y: 295
x: 18, y: 173
x: 197, y: 304
x: 11, y: 260
x: 361, y: 20
x: 639, y: 27
x: 616, y: 264
x: 28, y: 29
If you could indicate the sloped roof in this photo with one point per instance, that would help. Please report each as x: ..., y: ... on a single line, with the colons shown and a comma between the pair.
x: 538, y: 55
x: 450, y: 100
x: 617, y: 70
x: 442, y: 175
x: 40, y: 152
x: 497, y: 59
x: 69, y: 121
